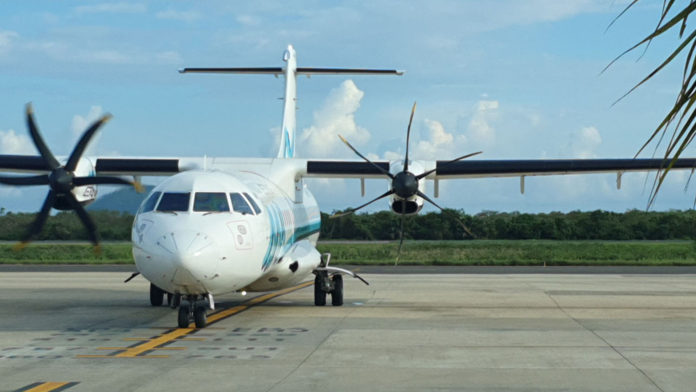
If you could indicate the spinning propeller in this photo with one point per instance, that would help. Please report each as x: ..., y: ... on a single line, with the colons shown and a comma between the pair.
x: 61, y: 180
x: 404, y: 185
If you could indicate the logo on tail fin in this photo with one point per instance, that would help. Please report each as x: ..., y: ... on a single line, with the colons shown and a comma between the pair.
x: 288, y: 144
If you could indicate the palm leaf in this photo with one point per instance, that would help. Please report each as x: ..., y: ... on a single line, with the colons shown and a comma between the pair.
x: 681, y: 118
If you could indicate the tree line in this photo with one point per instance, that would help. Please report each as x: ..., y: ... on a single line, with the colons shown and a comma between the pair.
x: 385, y: 225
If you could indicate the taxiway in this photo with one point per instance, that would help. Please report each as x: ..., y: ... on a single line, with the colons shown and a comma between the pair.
x: 87, y: 331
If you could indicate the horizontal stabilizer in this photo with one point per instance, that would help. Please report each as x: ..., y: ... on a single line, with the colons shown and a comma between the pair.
x: 246, y: 70
x: 346, y: 71
x: 299, y: 71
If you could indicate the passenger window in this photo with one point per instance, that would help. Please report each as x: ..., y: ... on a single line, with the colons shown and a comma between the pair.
x: 239, y: 204
x: 210, y: 202
x: 174, y: 201
x: 151, y: 202
x: 253, y: 203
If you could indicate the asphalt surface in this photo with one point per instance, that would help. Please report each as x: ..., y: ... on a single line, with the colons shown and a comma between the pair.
x: 88, y: 331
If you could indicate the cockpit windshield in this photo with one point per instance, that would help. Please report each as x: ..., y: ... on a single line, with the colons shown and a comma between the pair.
x: 239, y: 204
x: 151, y: 202
x: 210, y: 202
x: 174, y: 201
x: 253, y: 203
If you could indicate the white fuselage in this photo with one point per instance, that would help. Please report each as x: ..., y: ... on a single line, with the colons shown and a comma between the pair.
x: 213, y: 232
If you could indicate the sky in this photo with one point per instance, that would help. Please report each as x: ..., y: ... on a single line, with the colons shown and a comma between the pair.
x: 516, y: 79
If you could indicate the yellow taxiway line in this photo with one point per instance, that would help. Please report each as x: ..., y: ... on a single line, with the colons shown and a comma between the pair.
x: 158, y: 342
x: 49, y: 386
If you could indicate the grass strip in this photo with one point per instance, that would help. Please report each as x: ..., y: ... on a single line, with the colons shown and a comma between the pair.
x: 478, y: 252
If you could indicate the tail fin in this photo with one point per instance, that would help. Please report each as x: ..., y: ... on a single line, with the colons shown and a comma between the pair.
x: 288, y: 126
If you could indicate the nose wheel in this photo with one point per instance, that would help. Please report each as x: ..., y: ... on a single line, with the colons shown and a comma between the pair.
x: 193, y: 309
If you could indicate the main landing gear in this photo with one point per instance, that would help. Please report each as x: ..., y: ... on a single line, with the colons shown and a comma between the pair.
x: 325, y: 284
x: 329, y: 280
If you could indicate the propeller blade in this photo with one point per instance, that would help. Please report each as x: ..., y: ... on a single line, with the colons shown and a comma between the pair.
x: 103, y: 180
x: 401, y: 231
x: 408, y: 136
x: 466, y: 229
x: 47, y: 155
x: 28, y: 180
x: 86, y: 220
x: 418, y: 177
x: 82, y: 143
x: 352, y: 210
x: 386, y: 173
x: 39, y: 221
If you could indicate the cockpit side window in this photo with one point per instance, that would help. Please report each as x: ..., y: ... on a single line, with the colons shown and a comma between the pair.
x: 257, y: 209
x: 239, y: 204
x: 174, y: 201
x: 210, y: 202
x: 151, y: 202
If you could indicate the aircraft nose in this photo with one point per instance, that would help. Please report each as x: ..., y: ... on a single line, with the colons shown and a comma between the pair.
x: 193, y: 253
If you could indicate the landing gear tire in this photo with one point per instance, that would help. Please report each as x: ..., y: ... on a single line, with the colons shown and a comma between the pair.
x: 199, y: 316
x: 156, y: 295
x: 337, y: 292
x: 184, y: 314
x: 319, y: 293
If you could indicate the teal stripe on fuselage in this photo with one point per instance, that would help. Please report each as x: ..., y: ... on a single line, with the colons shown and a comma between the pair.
x: 278, y: 240
x: 305, y: 231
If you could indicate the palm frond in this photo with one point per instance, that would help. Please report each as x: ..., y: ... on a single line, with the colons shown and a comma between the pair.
x: 681, y: 118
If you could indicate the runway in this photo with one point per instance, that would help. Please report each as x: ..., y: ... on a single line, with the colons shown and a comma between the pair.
x: 87, y: 331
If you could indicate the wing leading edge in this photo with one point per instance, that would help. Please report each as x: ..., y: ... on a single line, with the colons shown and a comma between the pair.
x: 497, y: 168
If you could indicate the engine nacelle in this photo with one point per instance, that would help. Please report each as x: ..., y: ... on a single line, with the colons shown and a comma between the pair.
x: 413, y: 204
x: 84, y: 194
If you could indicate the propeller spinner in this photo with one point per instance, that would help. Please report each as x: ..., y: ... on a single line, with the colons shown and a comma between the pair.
x: 61, y: 180
x: 404, y: 185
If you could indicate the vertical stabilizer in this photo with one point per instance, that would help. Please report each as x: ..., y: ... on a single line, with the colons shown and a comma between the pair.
x: 287, y: 128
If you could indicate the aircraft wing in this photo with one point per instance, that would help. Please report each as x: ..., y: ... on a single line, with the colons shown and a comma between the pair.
x: 494, y: 168
x: 346, y: 169
x: 133, y: 166
x: 538, y: 167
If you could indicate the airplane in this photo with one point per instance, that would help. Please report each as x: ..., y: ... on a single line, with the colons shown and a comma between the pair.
x: 237, y: 225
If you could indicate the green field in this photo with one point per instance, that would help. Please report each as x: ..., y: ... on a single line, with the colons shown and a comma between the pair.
x: 478, y: 252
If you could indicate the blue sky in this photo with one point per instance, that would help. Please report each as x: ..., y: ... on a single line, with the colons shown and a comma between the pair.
x: 516, y: 79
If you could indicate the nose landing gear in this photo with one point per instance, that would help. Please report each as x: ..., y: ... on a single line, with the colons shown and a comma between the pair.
x: 193, y: 309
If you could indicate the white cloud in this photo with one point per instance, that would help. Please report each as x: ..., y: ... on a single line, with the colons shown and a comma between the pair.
x: 112, y: 8
x: 480, y: 131
x: 439, y: 144
x: 80, y: 124
x: 6, y: 39
x: 68, y: 52
x: 13, y: 144
x: 185, y: 16
x: 584, y: 143
x: 336, y: 116
x: 248, y: 20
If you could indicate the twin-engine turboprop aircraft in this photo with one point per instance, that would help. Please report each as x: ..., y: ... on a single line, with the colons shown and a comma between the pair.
x: 221, y: 225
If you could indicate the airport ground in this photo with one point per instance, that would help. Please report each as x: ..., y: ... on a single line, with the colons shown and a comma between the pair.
x: 618, y: 330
